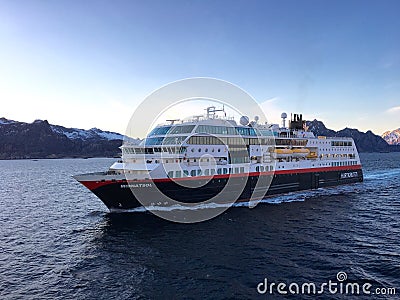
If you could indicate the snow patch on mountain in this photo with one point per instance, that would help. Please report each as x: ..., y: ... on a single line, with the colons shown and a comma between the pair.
x: 76, y: 133
x: 392, y: 137
x: 4, y: 121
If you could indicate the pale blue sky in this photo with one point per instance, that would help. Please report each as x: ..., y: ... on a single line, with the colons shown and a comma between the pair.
x: 89, y: 63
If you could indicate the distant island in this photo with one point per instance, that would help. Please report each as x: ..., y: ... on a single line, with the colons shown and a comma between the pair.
x: 39, y: 139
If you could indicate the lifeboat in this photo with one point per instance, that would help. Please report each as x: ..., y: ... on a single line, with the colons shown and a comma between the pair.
x: 300, y: 152
x: 282, y: 153
x: 312, y: 155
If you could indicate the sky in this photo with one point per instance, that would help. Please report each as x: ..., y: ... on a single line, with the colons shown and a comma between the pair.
x: 89, y: 63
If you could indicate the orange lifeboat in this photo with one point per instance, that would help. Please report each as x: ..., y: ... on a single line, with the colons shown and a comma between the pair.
x: 282, y: 153
x: 301, y: 152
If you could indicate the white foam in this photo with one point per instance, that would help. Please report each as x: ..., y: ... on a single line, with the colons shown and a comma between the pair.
x: 382, y: 174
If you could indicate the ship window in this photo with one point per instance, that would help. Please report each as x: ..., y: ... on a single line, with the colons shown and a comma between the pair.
x: 178, y: 174
x: 262, y: 169
x: 206, y: 172
x: 242, y: 130
x: 199, y: 172
x: 160, y: 130
x: 236, y: 170
x: 219, y: 150
x: 231, y: 130
x: 171, y: 174
x: 212, y: 171
x: 225, y: 171
x: 193, y: 173
x: 173, y: 140
x: 219, y: 171
x: 181, y: 129
x: 185, y: 173
x: 271, y: 168
x: 252, y: 131
x: 241, y: 169
x: 257, y: 169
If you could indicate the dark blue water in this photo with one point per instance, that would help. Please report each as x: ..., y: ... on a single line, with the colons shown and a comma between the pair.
x: 57, y: 240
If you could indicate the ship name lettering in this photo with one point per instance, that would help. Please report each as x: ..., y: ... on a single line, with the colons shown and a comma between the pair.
x: 348, y: 175
x: 135, y: 185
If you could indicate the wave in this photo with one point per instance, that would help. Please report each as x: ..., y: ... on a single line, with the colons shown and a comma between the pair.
x: 382, y: 174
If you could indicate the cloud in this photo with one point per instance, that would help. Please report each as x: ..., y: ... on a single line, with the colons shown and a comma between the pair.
x: 393, y: 110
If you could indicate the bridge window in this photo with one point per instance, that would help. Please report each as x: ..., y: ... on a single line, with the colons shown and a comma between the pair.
x: 160, y: 130
x: 181, y: 129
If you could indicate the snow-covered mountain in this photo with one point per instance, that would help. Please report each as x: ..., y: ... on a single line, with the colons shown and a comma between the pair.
x: 392, y: 137
x: 40, y: 139
x: 93, y: 133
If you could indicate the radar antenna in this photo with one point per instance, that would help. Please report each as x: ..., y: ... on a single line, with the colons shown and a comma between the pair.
x: 173, y: 121
x: 211, y: 111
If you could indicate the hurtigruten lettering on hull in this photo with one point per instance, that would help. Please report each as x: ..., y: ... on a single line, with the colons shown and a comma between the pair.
x: 194, y: 160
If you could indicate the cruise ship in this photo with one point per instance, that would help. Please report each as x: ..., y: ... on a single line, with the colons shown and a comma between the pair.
x: 214, y: 158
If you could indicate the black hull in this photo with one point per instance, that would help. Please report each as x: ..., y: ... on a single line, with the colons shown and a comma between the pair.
x: 117, y: 195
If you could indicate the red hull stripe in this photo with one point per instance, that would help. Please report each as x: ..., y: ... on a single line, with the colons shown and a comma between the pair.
x: 92, y: 185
